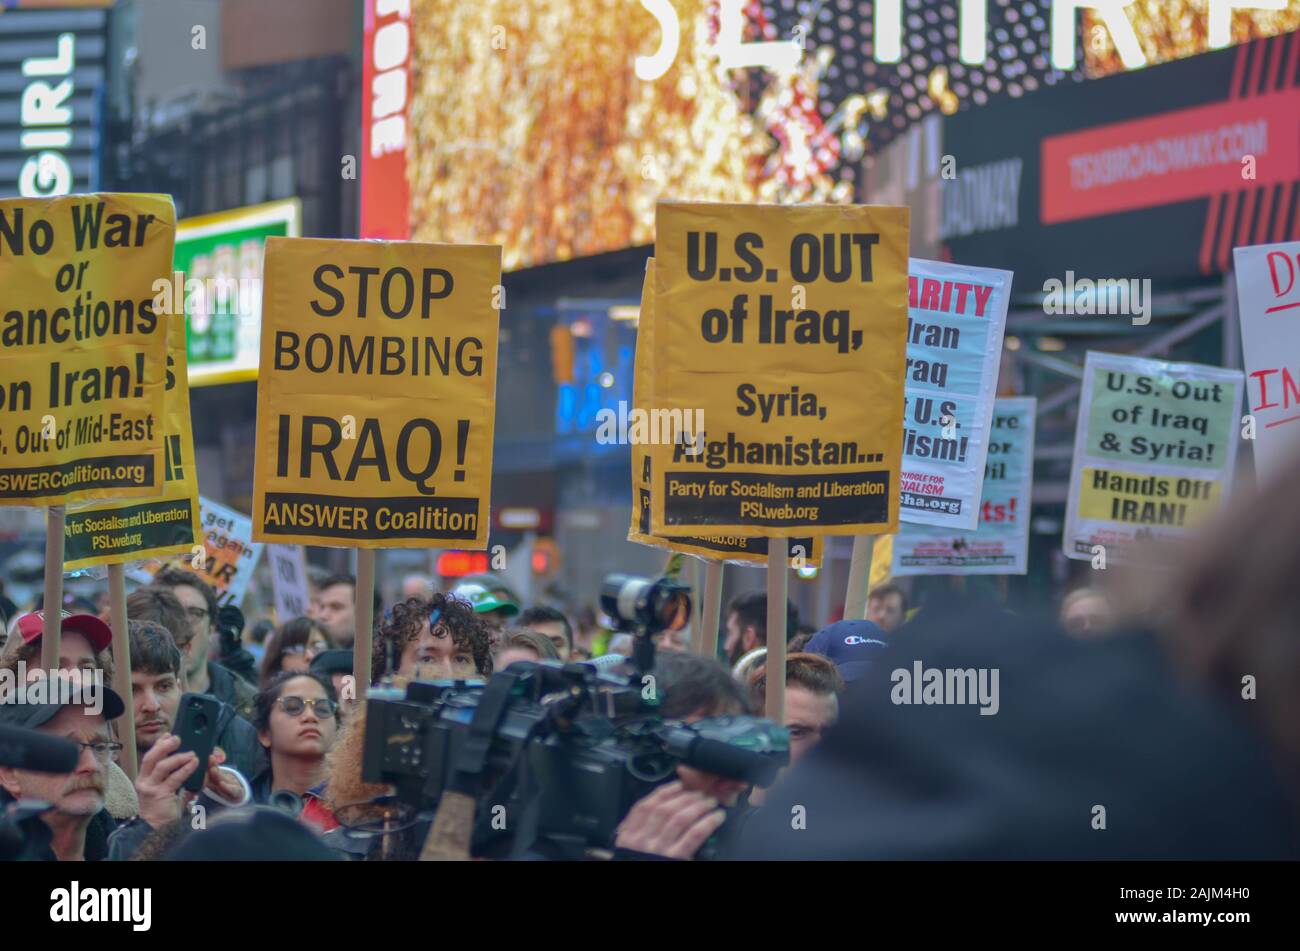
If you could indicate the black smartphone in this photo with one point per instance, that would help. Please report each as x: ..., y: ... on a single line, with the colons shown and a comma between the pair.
x: 196, y: 725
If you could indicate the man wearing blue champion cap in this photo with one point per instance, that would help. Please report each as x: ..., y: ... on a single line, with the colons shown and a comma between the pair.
x: 850, y: 645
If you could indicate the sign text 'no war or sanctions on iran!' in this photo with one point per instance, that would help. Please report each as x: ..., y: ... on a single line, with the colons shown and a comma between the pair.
x: 376, y: 393
x: 82, y: 347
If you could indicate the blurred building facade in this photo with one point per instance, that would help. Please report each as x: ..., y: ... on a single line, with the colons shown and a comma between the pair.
x: 247, y: 114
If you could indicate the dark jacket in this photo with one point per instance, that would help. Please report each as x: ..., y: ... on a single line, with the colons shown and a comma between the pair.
x: 238, y: 661
x: 261, y: 787
x: 228, y: 688
x: 1081, y: 727
x: 237, y: 737
x: 127, y: 839
x: 36, y: 836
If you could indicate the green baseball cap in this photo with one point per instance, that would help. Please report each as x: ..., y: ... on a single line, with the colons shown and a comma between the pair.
x: 484, y: 600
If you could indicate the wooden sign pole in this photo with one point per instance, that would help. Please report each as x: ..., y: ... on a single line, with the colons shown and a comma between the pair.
x: 53, y: 603
x: 122, y: 666
x: 778, y: 581
x: 855, y: 597
x: 711, y: 614
x: 365, y: 612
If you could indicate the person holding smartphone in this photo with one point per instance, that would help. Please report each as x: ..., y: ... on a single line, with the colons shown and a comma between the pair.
x: 164, y: 765
x: 157, y: 684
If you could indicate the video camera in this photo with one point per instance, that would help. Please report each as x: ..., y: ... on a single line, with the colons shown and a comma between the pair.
x: 645, y: 607
x: 633, y: 603
x: 565, y: 750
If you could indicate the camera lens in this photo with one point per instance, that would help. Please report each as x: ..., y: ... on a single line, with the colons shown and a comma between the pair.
x: 659, y: 605
x: 671, y: 607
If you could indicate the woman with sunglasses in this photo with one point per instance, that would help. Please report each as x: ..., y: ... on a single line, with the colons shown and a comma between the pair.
x: 297, y: 719
x: 292, y: 647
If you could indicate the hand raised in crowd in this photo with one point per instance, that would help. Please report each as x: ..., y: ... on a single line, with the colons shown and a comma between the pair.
x: 672, y: 821
x: 162, y: 773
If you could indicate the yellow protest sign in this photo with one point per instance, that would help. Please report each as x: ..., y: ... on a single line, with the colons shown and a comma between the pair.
x: 648, y: 424
x: 110, y: 533
x: 1112, y: 495
x: 882, y: 555
x: 785, y: 326
x: 82, y: 348
x: 375, y: 403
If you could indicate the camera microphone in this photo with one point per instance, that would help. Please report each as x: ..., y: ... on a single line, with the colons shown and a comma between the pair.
x: 606, y: 661
x: 737, y: 747
x: 28, y: 749
x: 715, y: 756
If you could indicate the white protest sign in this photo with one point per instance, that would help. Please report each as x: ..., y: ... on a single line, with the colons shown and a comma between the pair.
x: 1153, y: 452
x: 955, y: 319
x: 1000, y: 546
x: 288, y: 565
x: 1268, y: 295
x: 228, y: 557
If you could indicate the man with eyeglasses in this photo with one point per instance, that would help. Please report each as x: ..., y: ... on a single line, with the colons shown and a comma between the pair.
x: 202, y: 675
x: 76, y: 826
x: 84, y: 645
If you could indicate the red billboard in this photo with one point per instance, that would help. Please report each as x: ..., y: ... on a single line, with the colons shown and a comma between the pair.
x: 384, y: 128
x: 1189, y: 153
x: 1162, y: 170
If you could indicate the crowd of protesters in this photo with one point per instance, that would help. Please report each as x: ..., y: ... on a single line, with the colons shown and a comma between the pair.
x: 1181, y: 710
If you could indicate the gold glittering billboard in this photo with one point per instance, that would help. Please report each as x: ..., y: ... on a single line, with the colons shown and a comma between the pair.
x: 529, y: 127
x: 1173, y: 29
x: 533, y: 125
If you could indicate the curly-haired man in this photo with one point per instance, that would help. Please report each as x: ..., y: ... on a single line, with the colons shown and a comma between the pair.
x: 439, y: 636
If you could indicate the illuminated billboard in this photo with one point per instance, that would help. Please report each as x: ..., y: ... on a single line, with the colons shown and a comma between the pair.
x: 552, y: 127
x: 220, y: 256
x: 1153, y: 33
x: 52, y: 69
x: 1159, y: 171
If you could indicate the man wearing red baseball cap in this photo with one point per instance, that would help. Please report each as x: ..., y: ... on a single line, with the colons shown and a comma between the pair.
x: 83, y: 645
x: 84, y: 637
